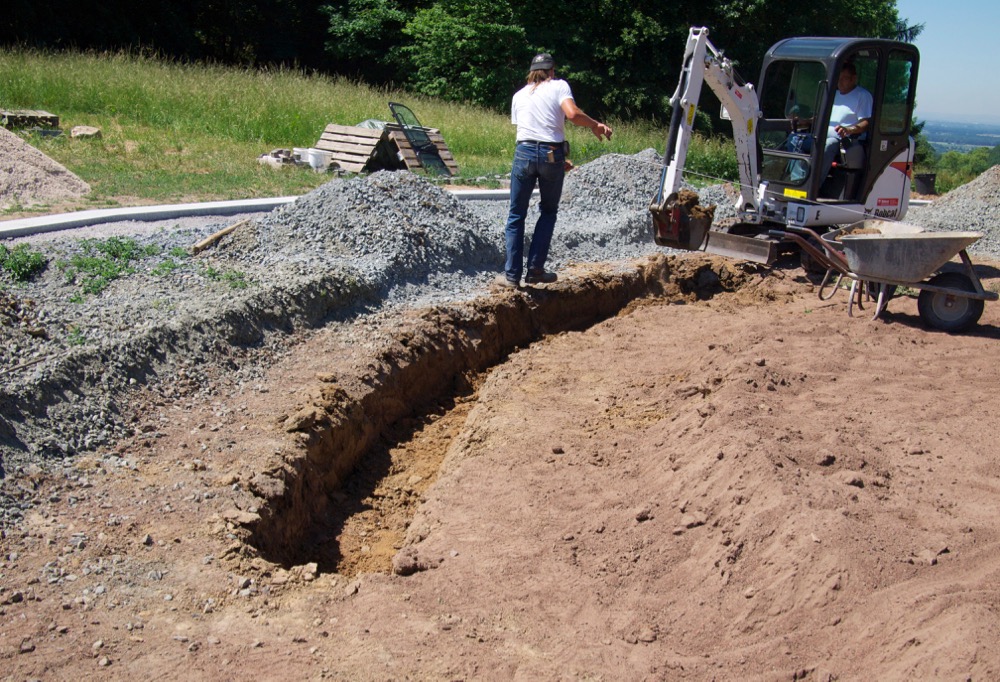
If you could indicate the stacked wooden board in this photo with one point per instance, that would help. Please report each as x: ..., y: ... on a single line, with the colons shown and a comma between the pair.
x: 27, y: 118
x: 357, y: 149
x: 410, y: 157
x: 351, y: 147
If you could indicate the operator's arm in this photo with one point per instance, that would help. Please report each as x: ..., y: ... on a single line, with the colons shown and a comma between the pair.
x: 856, y: 129
x: 576, y: 116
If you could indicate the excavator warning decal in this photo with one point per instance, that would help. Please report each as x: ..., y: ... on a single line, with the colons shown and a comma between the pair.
x: 691, y: 110
x: 749, y: 126
x: 903, y: 167
x: 795, y: 193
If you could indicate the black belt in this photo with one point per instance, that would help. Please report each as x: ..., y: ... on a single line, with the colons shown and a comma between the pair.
x: 538, y: 142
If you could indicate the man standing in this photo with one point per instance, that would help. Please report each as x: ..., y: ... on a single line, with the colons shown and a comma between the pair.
x: 850, y: 116
x: 539, y: 110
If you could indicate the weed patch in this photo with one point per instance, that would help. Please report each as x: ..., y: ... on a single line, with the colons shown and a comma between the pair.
x: 21, y: 263
x: 103, y: 261
x: 235, y: 278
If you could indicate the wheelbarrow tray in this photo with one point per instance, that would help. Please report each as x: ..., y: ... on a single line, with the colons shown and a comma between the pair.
x: 896, y: 253
x: 833, y: 238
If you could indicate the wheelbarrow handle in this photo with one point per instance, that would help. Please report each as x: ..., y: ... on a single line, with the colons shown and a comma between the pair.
x: 821, y: 257
x: 831, y: 253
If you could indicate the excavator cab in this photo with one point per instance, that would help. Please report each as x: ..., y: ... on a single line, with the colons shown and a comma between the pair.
x: 798, y: 84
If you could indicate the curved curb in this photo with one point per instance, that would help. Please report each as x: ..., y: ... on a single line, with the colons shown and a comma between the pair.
x: 52, y: 223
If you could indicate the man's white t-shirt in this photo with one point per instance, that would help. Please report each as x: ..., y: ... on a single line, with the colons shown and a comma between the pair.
x: 849, y: 109
x: 537, y: 111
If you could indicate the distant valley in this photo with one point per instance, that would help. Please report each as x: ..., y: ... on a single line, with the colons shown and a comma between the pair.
x: 962, y: 137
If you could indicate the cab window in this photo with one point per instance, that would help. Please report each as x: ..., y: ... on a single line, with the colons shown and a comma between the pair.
x: 896, y: 99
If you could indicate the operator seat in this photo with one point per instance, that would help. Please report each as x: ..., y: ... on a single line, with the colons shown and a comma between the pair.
x: 847, y: 171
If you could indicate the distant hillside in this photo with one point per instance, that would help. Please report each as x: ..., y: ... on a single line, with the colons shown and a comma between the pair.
x: 947, y: 135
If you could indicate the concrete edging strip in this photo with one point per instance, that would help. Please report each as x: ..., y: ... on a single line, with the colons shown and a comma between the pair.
x: 52, y: 223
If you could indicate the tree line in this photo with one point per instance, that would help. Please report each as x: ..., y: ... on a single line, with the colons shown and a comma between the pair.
x: 622, y: 58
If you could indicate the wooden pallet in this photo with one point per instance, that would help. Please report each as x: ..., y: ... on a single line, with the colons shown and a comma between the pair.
x: 355, y: 149
x: 409, y: 157
x: 352, y: 148
x: 27, y: 118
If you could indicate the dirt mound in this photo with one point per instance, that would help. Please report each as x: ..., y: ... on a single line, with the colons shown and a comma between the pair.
x: 28, y: 177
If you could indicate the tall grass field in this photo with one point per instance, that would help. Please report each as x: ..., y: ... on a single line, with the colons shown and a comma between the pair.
x: 174, y: 132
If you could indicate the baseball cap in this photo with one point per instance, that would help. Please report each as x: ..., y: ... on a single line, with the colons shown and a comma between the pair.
x: 542, y: 62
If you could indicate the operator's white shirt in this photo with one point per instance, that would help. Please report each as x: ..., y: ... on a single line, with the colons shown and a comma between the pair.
x: 849, y: 109
x: 537, y: 111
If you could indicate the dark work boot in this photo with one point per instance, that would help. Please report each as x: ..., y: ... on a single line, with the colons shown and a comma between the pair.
x: 540, y: 277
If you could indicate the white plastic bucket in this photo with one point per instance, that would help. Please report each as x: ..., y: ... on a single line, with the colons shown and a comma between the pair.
x: 319, y: 159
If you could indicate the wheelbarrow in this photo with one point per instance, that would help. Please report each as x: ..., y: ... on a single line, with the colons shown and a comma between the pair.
x: 879, y: 256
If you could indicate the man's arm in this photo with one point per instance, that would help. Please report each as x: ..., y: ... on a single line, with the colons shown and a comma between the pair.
x: 856, y: 129
x: 577, y: 117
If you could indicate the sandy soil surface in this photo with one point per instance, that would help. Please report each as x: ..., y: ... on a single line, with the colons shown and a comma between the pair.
x: 751, y: 485
x: 29, y: 177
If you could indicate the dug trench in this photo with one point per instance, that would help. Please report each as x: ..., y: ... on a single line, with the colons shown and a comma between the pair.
x: 364, y: 448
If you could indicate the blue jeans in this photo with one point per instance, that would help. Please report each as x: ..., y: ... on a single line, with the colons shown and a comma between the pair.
x: 533, y: 162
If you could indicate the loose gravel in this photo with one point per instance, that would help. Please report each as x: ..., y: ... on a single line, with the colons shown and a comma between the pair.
x: 177, y: 324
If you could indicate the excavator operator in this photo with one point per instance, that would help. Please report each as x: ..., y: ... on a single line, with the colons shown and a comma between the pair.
x: 850, y: 116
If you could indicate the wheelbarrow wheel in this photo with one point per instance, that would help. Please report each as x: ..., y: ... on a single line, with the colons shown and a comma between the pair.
x: 949, y: 312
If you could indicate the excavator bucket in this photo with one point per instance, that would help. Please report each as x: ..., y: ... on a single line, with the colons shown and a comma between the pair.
x: 679, y: 222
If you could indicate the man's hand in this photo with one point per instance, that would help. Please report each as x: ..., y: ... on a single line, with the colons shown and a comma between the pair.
x: 601, y: 131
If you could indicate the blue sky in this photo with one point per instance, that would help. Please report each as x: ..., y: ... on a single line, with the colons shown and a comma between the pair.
x: 959, y: 78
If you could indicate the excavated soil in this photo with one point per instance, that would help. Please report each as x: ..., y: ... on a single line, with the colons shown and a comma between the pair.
x: 683, y: 469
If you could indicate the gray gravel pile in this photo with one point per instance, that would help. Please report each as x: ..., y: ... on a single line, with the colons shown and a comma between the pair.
x: 392, y: 223
x: 974, y: 206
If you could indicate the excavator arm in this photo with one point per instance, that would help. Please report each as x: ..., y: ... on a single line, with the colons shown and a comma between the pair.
x: 674, y: 224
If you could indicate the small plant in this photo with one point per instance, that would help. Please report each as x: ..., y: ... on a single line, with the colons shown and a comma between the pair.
x: 103, y: 261
x: 21, y: 263
x: 235, y: 278
x: 179, y: 252
x: 211, y: 273
x: 76, y: 337
x: 166, y: 267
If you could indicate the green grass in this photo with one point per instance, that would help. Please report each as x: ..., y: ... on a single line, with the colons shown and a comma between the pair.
x: 180, y: 132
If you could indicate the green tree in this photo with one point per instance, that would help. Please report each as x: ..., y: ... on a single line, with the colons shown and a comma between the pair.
x: 466, y: 50
x: 993, y: 158
x: 365, y: 38
x: 924, y: 156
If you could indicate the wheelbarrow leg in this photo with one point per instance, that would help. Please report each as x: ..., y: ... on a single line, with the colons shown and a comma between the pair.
x: 833, y: 288
x: 854, y: 293
x: 882, y: 303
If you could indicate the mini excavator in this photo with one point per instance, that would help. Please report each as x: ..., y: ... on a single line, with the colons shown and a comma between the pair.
x: 779, y: 128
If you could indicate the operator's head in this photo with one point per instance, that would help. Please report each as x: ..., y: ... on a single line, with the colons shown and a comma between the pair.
x: 848, y: 79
